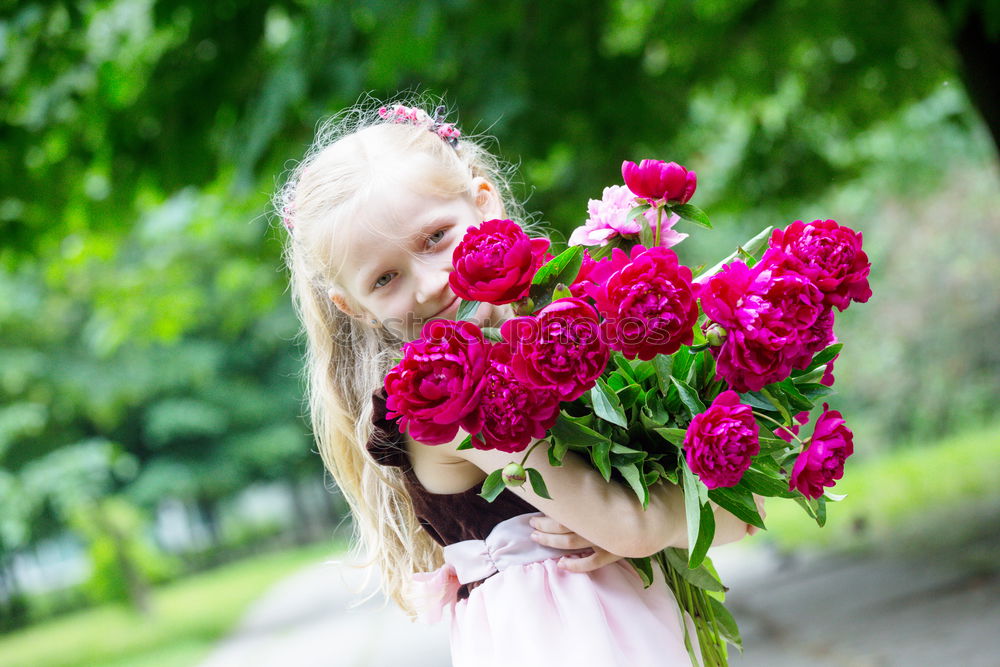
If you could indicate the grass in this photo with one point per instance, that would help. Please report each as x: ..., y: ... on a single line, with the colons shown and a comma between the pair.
x: 938, y: 492
x: 189, y: 616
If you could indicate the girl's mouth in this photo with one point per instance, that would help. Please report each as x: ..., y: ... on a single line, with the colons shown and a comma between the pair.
x: 446, y: 309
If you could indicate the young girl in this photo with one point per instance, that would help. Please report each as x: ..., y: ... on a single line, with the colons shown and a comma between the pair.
x: 374, y: 212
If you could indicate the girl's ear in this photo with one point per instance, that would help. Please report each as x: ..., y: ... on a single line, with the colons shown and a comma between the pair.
x: 487, y: 199
x: 340, y: 302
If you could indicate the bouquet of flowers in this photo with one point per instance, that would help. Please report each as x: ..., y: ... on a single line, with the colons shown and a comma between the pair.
x: 652, y: 371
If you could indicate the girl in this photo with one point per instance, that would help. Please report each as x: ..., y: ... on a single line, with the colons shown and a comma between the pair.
x: 374, y: 212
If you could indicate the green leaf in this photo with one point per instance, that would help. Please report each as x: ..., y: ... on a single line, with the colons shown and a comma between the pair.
x: 634, y: 478
x: 575, y: 434
x: 682, y: 363
x: 644, y: 567
x: 492, y: 486
x: 692, y: 213
x: 653, y: 402
x: 754, y: 246
x: 699, y: 335
x: 466, y: 444
x: 796, y: 400
x: 674, y: 436
x: 623, y: 364
x: 617, y: 381
x: 689, y: 397
x: 822, y: 358
x: 700, y: 577
x: 627, y: 396
x: 764, y: 484
x: 692, y: 506
x: 726, y: 623
x: 663, y: 364
x: 739, y: 502
x: 492, y: 334
x: 467, y: 309
x: 815, y: 392
x: 560, y: 269
x: 706, y: 533
x: 821, y: 511
x: 755, y: 400
x: 606, y: 404
x: 777, y: 400
x: 556, y: 452
x: 600, y: 455
x: 537, y: 483
x: 643, y: 370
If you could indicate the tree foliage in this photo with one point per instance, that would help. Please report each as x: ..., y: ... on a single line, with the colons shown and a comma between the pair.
x: 141, y: 299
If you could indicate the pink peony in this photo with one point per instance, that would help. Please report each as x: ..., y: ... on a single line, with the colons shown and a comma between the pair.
x: 560, y: 348
x: 591, y: 273
x: 648, y: 304
x: 435, y: 387
x: 495, y: 262
x: 608, y: 218
x: 513, y: 412
x: 774, y: 317
x: 657, y: 180
x: 830, y: 255
x: 786, y: 433
x: 821, y: 463
x: 721, y: 442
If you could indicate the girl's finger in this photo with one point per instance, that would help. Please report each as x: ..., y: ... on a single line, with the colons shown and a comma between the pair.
x: 598, y: 559
x: 561, y: 540
x: 547, y: 525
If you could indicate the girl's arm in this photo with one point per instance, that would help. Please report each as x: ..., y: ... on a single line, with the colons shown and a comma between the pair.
x: 608, y: 516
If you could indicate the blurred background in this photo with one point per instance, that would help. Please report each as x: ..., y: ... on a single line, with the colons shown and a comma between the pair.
x: 157, y: 472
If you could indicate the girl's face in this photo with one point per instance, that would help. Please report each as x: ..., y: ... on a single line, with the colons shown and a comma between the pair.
x: 398, y: 258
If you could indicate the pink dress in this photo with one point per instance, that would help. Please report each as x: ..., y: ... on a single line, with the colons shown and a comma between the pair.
x: 508, y: 601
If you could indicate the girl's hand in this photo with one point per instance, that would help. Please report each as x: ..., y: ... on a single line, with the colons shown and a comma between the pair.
x: 551, y: 533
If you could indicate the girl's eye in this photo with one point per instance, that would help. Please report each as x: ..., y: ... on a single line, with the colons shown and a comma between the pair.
x: 383, y: 280
x: 436, y: 237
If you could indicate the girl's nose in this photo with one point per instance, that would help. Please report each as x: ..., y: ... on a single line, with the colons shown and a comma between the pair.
x: 431, y: 286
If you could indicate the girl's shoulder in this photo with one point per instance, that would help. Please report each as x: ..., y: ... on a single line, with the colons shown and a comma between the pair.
x: 440, y: 471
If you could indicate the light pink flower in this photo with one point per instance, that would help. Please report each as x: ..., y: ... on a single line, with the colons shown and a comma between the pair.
x: 608, y: 218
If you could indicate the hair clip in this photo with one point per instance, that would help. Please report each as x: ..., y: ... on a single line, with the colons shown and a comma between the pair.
x: 419, y: 117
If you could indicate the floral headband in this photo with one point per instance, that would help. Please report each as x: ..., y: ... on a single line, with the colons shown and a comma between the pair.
x: 420, y: 118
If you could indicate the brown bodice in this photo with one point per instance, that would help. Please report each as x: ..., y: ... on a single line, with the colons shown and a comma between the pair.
x: 447, y: 517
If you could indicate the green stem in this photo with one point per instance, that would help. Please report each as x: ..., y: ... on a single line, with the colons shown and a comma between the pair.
x: 656, y: 232
x: 531, y: 449
x: 780, y: 425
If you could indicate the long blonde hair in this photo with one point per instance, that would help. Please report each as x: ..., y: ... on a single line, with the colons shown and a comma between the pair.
x: 346, y: 359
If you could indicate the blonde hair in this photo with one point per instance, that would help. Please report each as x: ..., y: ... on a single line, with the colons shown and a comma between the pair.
x: 346, y: 359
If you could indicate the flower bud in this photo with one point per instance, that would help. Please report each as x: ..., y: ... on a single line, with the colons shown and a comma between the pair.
x: 513, y: 474
x: 525, y: 306
x: 715, y: 335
